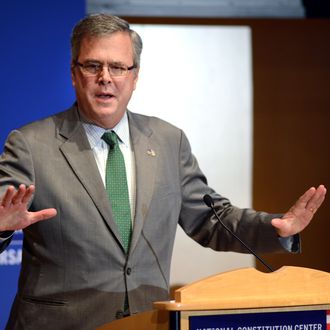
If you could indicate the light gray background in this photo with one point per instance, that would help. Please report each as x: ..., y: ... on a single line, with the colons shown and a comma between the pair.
x: 199, y: 8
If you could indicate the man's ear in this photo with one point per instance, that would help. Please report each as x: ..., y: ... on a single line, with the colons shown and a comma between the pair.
x: 136, y: 78
x: 73, y: 74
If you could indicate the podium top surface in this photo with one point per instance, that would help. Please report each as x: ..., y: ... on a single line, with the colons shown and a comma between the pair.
x: 250, y: 288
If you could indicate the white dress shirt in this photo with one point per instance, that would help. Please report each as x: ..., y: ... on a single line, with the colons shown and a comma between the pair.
x: 101, y: 148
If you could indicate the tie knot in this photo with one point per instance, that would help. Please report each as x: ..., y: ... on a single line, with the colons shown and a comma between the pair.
x: 110, y: 138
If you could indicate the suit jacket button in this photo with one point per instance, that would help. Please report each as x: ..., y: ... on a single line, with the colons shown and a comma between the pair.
x: 128, y: 271
x: 119, y: 314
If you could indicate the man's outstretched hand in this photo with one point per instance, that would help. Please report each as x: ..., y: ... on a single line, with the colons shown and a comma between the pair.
x: 301, y: 213
x: 14, y: 214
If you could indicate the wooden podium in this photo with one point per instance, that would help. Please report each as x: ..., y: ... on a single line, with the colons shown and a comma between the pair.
x: 291, y: 298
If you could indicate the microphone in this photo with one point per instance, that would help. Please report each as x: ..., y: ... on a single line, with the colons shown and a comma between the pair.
x: 208, y: 200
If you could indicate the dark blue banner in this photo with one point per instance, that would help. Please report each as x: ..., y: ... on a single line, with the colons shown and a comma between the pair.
x: 35, y: 82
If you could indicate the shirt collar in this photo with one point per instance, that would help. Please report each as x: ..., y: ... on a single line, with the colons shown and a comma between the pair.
x: 94, y: 132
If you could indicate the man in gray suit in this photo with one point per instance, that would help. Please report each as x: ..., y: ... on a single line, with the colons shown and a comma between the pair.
x: 76, y: 271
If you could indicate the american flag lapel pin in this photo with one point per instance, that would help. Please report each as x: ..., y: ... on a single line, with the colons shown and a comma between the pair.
x: 151, y: 152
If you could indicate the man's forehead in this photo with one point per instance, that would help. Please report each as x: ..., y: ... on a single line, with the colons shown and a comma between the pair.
x: 114, y: 40
x: 118, y: 43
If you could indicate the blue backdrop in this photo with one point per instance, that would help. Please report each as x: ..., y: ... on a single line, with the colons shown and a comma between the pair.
x: 35, y: 82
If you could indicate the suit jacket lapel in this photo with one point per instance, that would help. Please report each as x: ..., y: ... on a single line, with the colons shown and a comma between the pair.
x: 79, y: 155
x: 145, y: 152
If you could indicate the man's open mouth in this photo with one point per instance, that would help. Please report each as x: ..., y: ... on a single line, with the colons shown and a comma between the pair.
x: 105, y: 96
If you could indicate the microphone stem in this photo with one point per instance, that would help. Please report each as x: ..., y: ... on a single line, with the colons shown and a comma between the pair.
x: 247, y: 247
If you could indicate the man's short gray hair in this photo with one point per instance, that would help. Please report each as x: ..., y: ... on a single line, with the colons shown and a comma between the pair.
x: 97, y: 25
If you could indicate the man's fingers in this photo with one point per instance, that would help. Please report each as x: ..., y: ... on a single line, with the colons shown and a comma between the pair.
x: 312, y: 198
x: 28, y: 194
x: 305, y: 198
x: 7, y: 197
x: 20, y: 196
x: 317, y: 199
x: 43, y: 215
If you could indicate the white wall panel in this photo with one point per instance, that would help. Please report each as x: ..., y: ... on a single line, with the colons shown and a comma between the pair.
x: 200, y: 79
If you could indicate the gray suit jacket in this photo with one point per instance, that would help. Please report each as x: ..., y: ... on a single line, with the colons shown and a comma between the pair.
x: 74, y: 270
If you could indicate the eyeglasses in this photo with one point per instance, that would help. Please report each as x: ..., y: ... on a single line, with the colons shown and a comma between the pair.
x: 95, y: 68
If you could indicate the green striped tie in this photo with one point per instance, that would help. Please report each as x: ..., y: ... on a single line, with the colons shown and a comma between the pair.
x: 116, y: 187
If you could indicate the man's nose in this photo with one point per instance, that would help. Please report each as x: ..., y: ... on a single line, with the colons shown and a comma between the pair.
x: 104, y: 76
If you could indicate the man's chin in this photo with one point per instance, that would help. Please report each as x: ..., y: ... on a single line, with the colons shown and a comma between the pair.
x: 109, y: 117
x: 105, y: 104
x: 105, y: 108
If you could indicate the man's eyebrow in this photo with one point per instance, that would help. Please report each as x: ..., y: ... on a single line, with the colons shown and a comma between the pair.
x: 119, y: 63
x: 93, y: 60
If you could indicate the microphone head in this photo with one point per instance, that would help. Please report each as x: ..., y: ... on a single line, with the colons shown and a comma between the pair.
x: 208, y: 200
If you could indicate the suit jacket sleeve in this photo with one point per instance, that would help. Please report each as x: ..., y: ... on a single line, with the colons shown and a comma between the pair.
x: 15, y: 168
x: 199, y: 222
